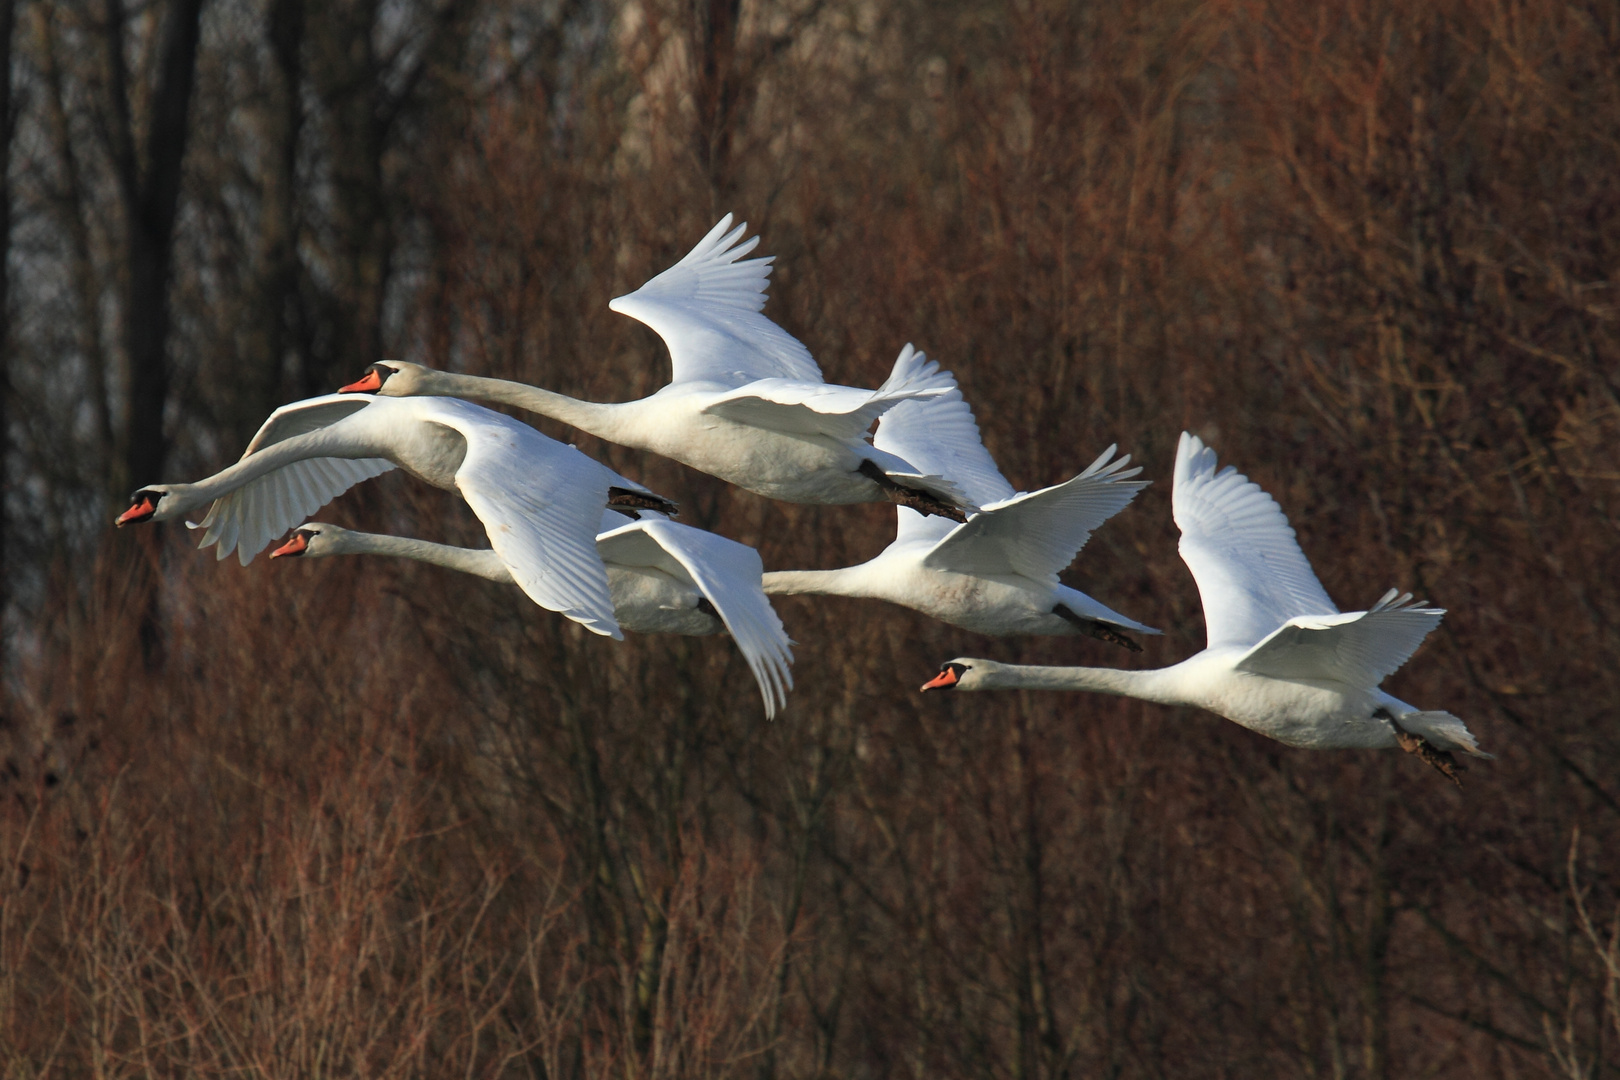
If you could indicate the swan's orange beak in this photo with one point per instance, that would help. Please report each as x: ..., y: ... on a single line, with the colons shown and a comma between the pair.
x: 296, y: 546
x: 369, y: 383
x: 943, y: 681
x: 139, y: 512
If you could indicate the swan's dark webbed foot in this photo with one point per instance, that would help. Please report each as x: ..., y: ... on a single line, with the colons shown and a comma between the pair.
x: 643, y: 500
x: 1416, y: 745
x: 924, y: 502
x: 1448, y: 765
x: 1092, y: 628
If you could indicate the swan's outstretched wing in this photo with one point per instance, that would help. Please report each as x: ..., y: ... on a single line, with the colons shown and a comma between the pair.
x: 843, y: 412
x: 303, y: 417
x: 246, y: 520
x: 801, y: 408
x: 726, y: 572
x: 937, y: 435
x: 1359, y: 648
x: 1250, y: 571
x: 541, y: 503
x: 707, y: 308
x: 1040, y: 533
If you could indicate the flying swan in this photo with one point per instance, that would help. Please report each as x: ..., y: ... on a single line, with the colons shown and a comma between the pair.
x: 539, y: 501
x: 664, y: 578
x: 1281, y: 659
x: 746, y: 402
x: 997, y: 573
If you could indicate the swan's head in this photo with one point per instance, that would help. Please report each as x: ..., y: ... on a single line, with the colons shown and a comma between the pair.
x: 953, y: 675
x: 392, y: 378
x: 158, y: 502
x: 312, y: 540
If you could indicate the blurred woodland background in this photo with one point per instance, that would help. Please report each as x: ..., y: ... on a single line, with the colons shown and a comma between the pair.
x: 364, y: 818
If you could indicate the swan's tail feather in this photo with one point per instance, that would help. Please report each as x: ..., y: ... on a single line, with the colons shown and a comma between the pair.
x: 1444, y: 731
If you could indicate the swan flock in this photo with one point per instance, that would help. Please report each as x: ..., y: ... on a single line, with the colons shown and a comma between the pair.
x: 747, y: 403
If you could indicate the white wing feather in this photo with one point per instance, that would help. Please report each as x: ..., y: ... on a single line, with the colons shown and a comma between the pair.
x: 246, y: 520
x: 1251, y: 574
x: 729, y: 574
x: 842, y: 412
x: 540, y: 503
x: 1040, y: 533
x: 1360, y: 648
x: 940, y: 435
x: 302, y: 417
x: 707, y: 308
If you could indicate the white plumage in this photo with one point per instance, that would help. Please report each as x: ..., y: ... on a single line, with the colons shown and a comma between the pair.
x: 1241, y: 550
x: 746, y: 401
x: 540, y: 501
x: 663, y: 577
x: 997, y: 573
x: 1282, y: 660
x: 722, y: 571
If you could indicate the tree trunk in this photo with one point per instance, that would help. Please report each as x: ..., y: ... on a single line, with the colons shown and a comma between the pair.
x: 274, y: 303
x: 347, y: 75
x: 718, y: 90
x: 149, y: 184
x: 8, y: 20
x: 70, y: 204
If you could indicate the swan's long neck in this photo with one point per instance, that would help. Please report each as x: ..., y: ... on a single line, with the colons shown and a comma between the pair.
x: 845, y: 582
x: 480, y: 561
x: 1152, y: 685
x: 596, y: 418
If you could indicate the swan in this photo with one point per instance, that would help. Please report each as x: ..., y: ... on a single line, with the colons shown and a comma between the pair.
x: 664, y: 578
x: 997, y: 573
x: 746, y: 402
x: 1282, y: 660
x: 539, y: 500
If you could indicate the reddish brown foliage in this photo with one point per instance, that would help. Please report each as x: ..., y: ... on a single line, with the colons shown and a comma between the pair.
x: 357, y: 818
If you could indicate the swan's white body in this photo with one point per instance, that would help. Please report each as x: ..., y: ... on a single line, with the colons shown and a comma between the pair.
x: 664, y: 578
x: 1282, y: 660
x: 1318, y: 714
x: 746, y: 403
x: 997, y: 573
x: 540, y: 501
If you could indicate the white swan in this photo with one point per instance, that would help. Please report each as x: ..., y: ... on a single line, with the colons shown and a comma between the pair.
x: 664, y: 578
x: 746, y: 402
x: 998, y: 573
x: 539, y: 500
x: 1281, y: 660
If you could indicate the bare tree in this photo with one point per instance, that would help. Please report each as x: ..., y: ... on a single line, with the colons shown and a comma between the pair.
x: 373, y: 818
x: 8, y: 127
x: 148, y: 154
